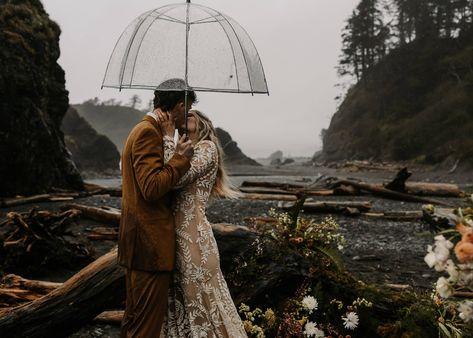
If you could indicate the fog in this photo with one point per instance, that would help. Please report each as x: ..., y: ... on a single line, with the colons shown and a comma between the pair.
x: 299, y: 42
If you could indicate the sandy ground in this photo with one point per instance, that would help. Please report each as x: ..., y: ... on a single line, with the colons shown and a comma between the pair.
x: 376, y: 250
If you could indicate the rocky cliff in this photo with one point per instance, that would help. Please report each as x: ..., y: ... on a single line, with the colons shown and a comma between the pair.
x: 233, y: 154
x: 415, y: 105
x: 94, y: 154
x: 113, y: 121
x: 33, y: 101
x: 116, y: 121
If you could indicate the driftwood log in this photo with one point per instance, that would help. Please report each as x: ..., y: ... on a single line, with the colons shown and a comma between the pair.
x: 60, y: 196
x: 386, y: 193
x: 262, y: 190
x: 268, y: 197
x: 103, y: 214
x: 400, y: 184
x: 366, y: 165
x: 276, y: 191
x: 409, y: 215
x: 333, y: 206
x: 38, y: 239
x: 110, y: 317
x: 94, y: 189
x: 15, y: 290
x: 100, y: 286
x: 434, y: 189
x: 284, y: 186
x: 101, y: 234
x: 95, y: 288
x: 332, y: 186
x: 258, y: 270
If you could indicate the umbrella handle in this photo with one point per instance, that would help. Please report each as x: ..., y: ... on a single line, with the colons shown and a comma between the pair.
x: 186, y: 112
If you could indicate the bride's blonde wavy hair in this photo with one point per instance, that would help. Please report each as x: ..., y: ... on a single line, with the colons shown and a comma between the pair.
x: 205, y: 131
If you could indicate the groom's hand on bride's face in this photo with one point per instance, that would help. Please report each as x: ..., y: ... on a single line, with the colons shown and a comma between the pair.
x: 185, y: 148
x: 167, y: 122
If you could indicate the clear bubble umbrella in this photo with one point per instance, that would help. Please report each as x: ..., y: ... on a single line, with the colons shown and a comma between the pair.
x: 206, y: 49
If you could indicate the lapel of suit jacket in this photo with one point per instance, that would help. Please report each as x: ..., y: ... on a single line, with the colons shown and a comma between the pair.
x: 155, y: 123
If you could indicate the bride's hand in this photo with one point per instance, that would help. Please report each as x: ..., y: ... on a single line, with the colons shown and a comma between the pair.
x: 167, y: 122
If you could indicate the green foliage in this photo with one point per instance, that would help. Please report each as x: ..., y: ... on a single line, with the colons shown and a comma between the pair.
x: 364, y: 39
x: 318, y: 241
x: 413, y: 62
x: 416, y: 104
x: 419, y: 319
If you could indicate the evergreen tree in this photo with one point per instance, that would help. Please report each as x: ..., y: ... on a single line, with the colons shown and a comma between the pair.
x: 135, y: 101
x: 405, y: 20
x: 364, y: 39
x: 464, y: 16
x: 378, y: 25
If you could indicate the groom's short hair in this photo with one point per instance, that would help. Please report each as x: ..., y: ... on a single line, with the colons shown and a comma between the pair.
x: 171, y: 92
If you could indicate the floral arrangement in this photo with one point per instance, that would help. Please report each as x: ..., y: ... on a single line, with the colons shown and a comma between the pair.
x: 302, y: 319
x: 454, y: 290
x: 303, y: 315
x: 307, y: 236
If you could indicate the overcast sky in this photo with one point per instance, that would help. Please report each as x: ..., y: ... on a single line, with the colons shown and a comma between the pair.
x: 298, y: 42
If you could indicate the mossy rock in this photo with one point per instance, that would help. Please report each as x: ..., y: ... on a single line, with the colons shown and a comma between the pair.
x: 33, y: 102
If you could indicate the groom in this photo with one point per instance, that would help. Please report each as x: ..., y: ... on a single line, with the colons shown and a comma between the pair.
x: 146, y: 242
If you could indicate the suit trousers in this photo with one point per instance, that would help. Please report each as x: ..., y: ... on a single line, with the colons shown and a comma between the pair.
x: 146, y: 303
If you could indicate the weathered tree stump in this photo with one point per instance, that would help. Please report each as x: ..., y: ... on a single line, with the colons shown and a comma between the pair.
x: 399, y: 182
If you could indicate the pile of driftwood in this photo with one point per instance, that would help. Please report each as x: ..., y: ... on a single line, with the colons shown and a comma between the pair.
x: 61, y: 196
x: 358, y: 165
x: 31, y: 308
x: 25, y: 303
x: 37, y: 239
x: 397, y: 189
x: 88, y: 295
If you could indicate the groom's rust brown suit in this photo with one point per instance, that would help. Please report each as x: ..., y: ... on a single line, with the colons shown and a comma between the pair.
x: 146, y: 243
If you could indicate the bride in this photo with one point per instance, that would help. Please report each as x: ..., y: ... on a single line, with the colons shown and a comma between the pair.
x: 200, y: 304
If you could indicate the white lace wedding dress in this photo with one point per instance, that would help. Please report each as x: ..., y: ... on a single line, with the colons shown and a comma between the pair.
x: 200, y: 304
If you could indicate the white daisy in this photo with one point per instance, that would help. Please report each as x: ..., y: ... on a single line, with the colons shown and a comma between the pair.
x: 438, y: 254
x: 350, y: 321
x: 319, y: 333
x: 444, y: 288
x: 466, y: 310
x: 310, y: 303
x: 311, y: 330
x: 452, y: 271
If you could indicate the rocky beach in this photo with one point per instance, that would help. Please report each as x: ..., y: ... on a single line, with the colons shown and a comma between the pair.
x: 388, y: 253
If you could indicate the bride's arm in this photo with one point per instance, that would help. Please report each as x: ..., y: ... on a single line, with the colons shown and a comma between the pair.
x: 169, y: 148
x: 204, y: 159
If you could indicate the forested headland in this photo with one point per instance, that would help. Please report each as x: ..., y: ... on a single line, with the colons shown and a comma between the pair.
x: 409, y: 67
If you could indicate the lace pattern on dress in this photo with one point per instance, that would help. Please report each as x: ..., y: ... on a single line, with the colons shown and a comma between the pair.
x: 200, y: 304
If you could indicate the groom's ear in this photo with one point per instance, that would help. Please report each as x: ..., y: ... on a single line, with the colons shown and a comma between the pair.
x: 181, y: 105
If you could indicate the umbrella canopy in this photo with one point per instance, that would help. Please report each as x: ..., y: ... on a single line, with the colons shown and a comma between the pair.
x: 207, y: 49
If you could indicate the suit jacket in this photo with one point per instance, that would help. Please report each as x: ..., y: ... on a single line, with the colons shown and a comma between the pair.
x: 146, y: 239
